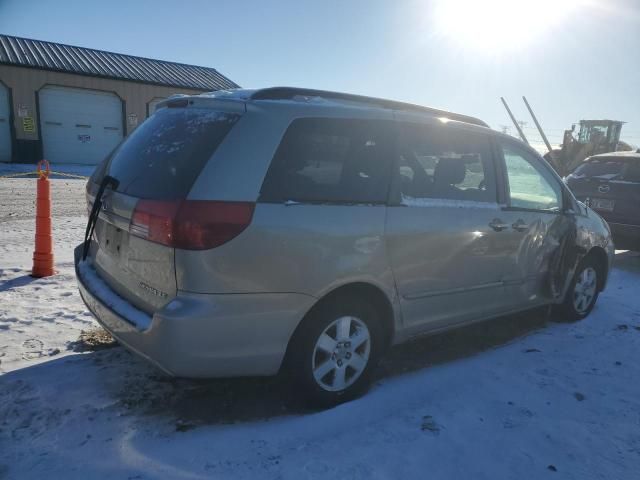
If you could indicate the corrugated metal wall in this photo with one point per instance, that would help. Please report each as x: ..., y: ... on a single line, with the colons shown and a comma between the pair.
x: 43, y: 55
x: 25, y: 82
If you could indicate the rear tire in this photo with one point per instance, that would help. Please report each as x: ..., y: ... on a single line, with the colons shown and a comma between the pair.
x: 334, y: 350
x: 583, y: 291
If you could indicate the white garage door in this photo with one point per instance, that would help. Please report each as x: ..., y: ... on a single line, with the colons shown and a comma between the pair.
x: 79, y: 126
x: 5, y: 126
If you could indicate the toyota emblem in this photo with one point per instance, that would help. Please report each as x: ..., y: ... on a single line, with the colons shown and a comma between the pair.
x: 604, y: 188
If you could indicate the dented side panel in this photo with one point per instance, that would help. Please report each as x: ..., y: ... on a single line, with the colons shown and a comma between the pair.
x: 537, y: 247
x: 548, y: 252
x: 593, y: 232
x: 548, y: 245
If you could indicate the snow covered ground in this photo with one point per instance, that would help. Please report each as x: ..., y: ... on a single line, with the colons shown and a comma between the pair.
x: 519, y: 397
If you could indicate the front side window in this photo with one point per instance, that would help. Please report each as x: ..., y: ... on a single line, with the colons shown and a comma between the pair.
x: 444, y: 163
x: 530, y: 185
x: 331, y: 160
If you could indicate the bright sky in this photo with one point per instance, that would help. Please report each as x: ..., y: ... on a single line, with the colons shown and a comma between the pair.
x: 573, y: 59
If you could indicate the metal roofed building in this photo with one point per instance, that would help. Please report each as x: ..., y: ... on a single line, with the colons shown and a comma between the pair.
x: 73, y: 105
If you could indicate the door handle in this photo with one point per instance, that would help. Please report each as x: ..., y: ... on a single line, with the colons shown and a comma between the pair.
x: 498, y: 225
x: 520, y: 226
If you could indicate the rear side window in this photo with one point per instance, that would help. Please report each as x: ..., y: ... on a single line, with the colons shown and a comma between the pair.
x: 329, y: 160
x: 162, y: 158
x: 445, y: 163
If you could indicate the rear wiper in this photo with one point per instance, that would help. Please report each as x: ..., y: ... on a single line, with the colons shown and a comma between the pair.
x: 95, y: 211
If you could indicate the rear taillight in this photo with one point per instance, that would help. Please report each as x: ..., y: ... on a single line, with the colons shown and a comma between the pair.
x: 190, y: 224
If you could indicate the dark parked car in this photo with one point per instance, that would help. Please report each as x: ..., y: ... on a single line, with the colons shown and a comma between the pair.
x: 610, y: 184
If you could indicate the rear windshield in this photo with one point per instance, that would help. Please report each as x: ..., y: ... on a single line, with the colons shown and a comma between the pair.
x: 162, y: 157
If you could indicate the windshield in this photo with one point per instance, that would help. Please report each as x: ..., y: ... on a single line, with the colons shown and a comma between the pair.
x: 594, y: 134
x: 606, y: 168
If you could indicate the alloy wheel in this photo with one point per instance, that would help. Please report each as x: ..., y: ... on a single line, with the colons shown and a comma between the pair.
x: 584, y: 291
x: 341, y: 353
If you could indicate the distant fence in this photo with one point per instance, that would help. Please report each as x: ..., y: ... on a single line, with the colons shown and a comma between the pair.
x: 52, y: 174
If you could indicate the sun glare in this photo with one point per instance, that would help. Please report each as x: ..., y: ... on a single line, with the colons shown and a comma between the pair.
x: 498, y: 26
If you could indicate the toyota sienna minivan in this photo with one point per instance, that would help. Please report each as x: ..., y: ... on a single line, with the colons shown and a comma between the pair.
x: 246, y: 232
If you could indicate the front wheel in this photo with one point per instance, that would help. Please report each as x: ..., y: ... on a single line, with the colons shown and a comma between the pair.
x: 334, y: 351
x: 583, y: 291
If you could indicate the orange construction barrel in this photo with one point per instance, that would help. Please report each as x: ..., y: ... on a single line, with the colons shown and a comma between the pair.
x: 43, y: 253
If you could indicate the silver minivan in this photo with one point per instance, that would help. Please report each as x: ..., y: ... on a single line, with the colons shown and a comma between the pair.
x: 248, y: 231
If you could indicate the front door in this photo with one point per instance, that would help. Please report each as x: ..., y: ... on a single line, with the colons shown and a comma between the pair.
x: 539, y: 231
x: 443, y: 227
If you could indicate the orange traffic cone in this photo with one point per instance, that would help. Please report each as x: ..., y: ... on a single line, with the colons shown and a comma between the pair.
x: 43, y: 254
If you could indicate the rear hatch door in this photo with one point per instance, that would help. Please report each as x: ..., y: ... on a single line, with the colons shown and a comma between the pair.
x: 159, y: 161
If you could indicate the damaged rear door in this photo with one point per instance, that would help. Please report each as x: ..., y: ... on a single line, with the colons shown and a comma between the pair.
x: 540, y: 233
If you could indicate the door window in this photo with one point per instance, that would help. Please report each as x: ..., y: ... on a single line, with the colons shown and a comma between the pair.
x: 531, y: 186
x: 444, y: 163
x: 331, y: 160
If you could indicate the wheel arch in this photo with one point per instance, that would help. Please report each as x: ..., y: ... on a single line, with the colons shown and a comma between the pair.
x: 599, y: 256
x: 361, y: 290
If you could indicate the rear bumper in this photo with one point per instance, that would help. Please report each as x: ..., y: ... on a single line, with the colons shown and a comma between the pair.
x: 200, y: 335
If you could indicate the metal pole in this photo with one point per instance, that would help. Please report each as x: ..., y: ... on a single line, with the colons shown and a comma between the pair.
x: 513, y: 119
x: 555, y: 161
x: 535, y: 120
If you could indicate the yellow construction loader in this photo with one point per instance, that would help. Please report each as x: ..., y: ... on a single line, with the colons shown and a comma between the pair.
x: 592, y: 138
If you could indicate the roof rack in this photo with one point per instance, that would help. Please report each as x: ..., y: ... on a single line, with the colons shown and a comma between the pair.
x: 288, y: 93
